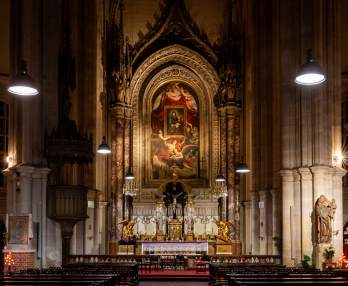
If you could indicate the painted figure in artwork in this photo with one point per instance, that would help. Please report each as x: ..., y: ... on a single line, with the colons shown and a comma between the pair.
x: 324, y: 214
x: 175, y: 132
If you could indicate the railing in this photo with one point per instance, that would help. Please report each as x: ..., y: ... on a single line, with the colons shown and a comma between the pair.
x: 224, y: 259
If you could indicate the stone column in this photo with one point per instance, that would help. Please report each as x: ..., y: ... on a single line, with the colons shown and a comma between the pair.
x: 24, y: 197
x: 103, y: 231
x: 255, y: 219
x: 306, y: 211
x: 337, y: 224
x: 275, y: 222
x: 263, y: 207
x: 321, y: 178
x: 223, y: 158
x: 11, y: 187
x: 96, y: 225
x: 248, y: 227
x: 288, y: 203
x: 117, y: 134
x: 232, y: 156
x: 43, y: 229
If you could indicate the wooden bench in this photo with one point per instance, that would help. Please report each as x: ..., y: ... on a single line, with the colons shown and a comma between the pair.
x: 128, y: 272
x: 284, y: 279
x: 60, y: 279
x: 218, y: 271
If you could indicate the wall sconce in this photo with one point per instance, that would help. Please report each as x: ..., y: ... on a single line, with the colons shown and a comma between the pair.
x: 337, y: 159
x: 9, y: 161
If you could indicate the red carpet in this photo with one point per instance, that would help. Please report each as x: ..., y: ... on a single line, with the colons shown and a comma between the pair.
x: 182, y: 275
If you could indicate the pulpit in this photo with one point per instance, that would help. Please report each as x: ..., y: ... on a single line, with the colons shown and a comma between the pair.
x: 174, y: 229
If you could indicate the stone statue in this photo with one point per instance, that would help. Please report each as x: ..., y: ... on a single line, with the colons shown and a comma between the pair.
x: 225, y: 229
x: 127, y: 229
x: 324, y: 214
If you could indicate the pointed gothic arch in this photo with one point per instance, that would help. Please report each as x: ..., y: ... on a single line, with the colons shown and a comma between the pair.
x: 181, y: 64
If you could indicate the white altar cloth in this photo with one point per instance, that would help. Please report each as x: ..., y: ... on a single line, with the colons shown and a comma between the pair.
x: 170, y: 248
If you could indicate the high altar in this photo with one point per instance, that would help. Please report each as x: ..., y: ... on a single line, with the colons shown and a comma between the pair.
x: 179, y: 128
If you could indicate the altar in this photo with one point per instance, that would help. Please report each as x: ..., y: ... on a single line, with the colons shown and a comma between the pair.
x: 174, y: 248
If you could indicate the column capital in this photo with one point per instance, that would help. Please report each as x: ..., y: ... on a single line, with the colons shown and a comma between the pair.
x: 320, y: 170
x: 305, y: 173
x: 338, y: 172
x: 254, y: 195
x: 288, y: 175
x: 246, y: 204
x: 102, y: 204
x: 25, y: 170
x: 263, y: 193
x: 274, y: 193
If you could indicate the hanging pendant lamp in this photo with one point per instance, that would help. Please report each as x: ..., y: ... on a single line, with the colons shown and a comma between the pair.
x: 22, y: 84
x: 311, y: 72
x: 242, y: 167
x: 104, y: 148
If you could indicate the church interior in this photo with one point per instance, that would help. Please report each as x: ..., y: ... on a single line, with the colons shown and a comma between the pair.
x: 192, y: 141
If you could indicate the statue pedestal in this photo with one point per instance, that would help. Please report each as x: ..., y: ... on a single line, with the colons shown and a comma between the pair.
x: 318, y: 257
x: 232, y: 247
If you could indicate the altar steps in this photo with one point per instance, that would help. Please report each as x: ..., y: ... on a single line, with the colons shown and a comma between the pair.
x: 174, y: 275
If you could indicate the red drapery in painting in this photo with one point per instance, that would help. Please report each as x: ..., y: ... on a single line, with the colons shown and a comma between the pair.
x: 175, y: 132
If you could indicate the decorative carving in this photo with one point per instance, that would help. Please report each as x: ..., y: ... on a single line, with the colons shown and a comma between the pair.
x: 226, y: 230
x: 324, y: 214
x: 191, y: 68
x: 230, y: 63
x: 127, y: 229
x: 175, y: 25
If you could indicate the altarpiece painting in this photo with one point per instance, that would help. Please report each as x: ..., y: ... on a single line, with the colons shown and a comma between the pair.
x: 175, y: 132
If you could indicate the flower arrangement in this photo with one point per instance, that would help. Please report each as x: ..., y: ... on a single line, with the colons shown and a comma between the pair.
x: 329, y: 253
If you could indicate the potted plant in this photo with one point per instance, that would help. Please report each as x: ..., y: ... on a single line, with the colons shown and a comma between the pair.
x: 328, y: 254
x: 305, y: 262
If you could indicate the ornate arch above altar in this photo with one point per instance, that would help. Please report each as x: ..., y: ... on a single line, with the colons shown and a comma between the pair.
x: 190, y: 72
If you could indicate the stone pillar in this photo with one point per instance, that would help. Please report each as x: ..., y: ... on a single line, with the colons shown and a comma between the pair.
x: 11, y: 185
x: 306, y: 211
x: 288, y: 203
x: 263, y: 207
x: 117, y: 133
x: 103, y: 231
x: 255, y: 219
x: 275, y: 222
x: 337, y: 224
x: 96, y: 225
x: 232, y: 126
x: 24, y: 197
x: 321, y: 179
x: 248, y: 227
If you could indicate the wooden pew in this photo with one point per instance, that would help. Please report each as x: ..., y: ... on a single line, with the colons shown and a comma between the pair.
x: 218, y: 271
x: 59, y: 279
x: 128, y: 272
x: 284, y: 279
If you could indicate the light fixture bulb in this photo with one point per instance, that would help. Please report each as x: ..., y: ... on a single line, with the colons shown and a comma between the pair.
x: 310, y: 73
x: 242, y: 168
x: 104, y: 148
x: 22, y: 84
x: 220, y: 178
x: 129, y: 176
